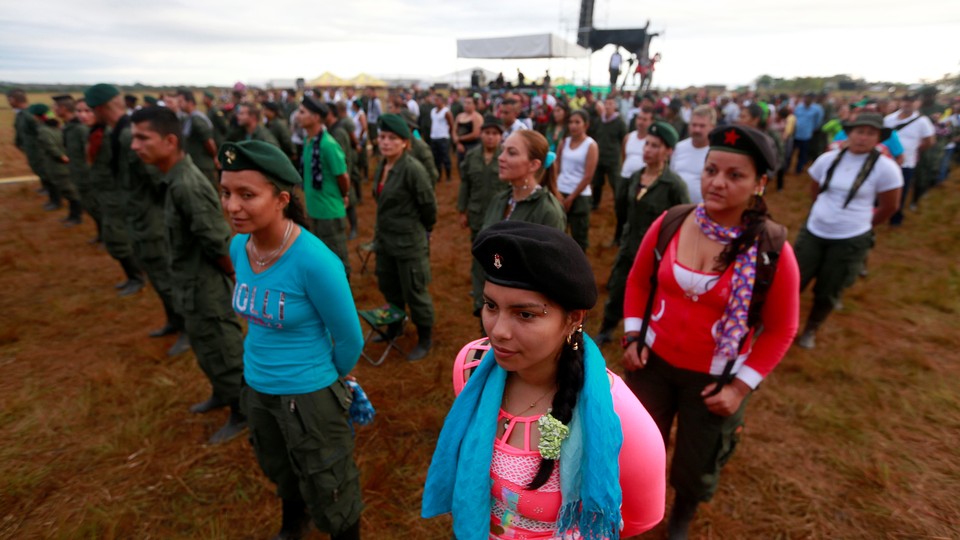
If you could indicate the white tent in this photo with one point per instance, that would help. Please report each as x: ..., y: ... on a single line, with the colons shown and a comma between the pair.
x: 535, y: 46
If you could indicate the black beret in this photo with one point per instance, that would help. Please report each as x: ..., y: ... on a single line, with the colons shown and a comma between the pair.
x: 748, y: 141
x: 61, y: 97
x: 260, y: 156
x: 314, y: 106
x: 394, y: 123
x: 537, y: 258
x: 271, y: 106
x: 99, y: 94
x: 665, y: 132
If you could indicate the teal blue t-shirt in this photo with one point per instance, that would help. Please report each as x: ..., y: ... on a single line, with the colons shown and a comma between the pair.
x: 303, y: 330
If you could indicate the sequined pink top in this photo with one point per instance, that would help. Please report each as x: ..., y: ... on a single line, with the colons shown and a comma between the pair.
x: 518, y: 513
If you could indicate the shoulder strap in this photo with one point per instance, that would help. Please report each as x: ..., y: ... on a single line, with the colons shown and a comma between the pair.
x: 862, y: 175
x: 772, y: 238
x: 668, y: 229
x: 898, y: 127
x: 833, y: 167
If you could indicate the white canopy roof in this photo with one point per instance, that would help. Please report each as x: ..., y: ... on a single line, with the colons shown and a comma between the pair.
x: 534, y: 46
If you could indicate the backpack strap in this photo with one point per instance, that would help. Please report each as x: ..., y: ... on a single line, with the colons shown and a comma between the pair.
x: 772, y: 238
x: 865, y: 171
x: 668, y: 229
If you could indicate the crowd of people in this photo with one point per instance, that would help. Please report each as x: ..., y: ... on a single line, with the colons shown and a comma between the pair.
x: 246, y: 206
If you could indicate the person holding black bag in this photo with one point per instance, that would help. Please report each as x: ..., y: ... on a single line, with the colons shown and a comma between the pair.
x: 705, y: 281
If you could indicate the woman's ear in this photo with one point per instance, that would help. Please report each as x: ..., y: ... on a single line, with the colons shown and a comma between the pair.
x: 576, y: 317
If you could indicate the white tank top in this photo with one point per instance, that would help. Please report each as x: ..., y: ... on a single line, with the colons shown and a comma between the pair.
x: 633, y: 161
x: 439, y: 127
x: 572, y: 164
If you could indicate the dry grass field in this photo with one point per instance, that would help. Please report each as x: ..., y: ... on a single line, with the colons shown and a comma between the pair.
x: 857, y: 439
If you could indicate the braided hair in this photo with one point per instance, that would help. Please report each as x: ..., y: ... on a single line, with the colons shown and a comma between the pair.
x: 753, y: 220
x: 570, y: 377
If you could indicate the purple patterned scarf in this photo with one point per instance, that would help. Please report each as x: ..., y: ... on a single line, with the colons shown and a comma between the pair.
x: 733, y: 324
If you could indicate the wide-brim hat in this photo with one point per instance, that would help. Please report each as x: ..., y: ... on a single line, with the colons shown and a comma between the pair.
x: 868, y: 119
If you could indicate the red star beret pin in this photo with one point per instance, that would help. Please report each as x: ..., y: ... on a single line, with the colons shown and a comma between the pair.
x: 730, y: 137
x: 497, y: 262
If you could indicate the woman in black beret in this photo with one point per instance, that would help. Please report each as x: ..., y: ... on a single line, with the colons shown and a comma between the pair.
x: 568, y: 447
x: 406, y: 213
x: 705, y: 280
x: 303, y: 339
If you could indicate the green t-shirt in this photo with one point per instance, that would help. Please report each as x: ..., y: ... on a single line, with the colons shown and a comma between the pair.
x: 327, y: 202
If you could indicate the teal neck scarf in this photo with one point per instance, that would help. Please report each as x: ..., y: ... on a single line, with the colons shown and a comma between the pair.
x: 458, y: 480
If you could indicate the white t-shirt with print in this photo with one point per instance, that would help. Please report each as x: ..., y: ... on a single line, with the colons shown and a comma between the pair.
x: 828, y: 218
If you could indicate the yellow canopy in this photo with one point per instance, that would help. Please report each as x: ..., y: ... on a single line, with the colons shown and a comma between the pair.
x: 365, y: 79
x: 327, y: 79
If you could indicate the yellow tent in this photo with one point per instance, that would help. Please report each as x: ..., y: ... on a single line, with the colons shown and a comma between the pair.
x: 327, y: 79
x: 365, y: 79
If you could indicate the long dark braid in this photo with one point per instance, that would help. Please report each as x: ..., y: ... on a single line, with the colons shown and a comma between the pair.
x: 570, y: 377
x: 752, y: 220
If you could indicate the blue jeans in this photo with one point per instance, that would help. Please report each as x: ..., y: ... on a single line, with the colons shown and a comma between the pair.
x: 945, y: 165
x: 803, y: 152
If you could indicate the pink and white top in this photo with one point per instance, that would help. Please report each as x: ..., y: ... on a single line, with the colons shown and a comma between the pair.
x: 518, y: 513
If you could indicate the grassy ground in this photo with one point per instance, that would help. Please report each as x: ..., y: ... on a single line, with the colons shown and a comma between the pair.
x: 857, y: 439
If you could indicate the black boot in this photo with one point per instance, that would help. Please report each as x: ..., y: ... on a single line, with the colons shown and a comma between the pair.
x: 211, y: 404
x: 350, y: 533
x: 235, y: 425
x: 352, y: 220
x: 393, y: 331
x: 818, y: 314
x: 424, y: 342
x: 681, y: 516
x: 134, y: 282
x: 180, y: 346
x: 605, y: 335
x: 296, y: 521
x: 74, y: 217
x: 166, y: 330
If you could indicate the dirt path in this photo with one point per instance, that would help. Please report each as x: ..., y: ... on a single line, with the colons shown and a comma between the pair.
x: 857, y: 439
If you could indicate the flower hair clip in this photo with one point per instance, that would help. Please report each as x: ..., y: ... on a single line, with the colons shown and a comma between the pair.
x: 552, y: 434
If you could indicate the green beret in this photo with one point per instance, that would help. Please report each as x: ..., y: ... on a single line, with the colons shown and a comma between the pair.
x: 748, y: 141
x: 38, y: 109
x: 150, y: 100
x: 260, y: 156
x: 665, y: 132
x: 99, y: 94
x: 394, y: 123
x: 209, y: 94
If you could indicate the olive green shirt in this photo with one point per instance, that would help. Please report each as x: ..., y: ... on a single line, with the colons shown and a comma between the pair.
x: 480, y: 182
x: 51, y: 151
x: 198, y: 236
x: 406, y: 209
x: 75, y: 142
x: 262, y: 134
x: 668, y: 191
x: 195, y: 139
x: 420, y: 150
x: 609, y: 137
x: 281, y: 132
x: 221, y: 124
x: 539, y: 207
x: 144, y: 192
x: 25, y: 137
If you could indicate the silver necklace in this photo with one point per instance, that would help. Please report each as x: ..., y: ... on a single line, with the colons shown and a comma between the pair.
x: 263, y: 261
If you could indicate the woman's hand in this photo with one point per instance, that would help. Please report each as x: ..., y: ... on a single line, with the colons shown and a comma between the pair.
x: 728, y: 400
x: 463, y: 220
x: 634, y: 360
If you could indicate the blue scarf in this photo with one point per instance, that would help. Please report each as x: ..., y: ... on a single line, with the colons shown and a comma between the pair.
x: 459, y: 477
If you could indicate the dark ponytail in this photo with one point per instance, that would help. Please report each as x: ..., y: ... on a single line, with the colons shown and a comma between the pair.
x: 294, y: 210
x: 570, y: 377
x: 752, y: 220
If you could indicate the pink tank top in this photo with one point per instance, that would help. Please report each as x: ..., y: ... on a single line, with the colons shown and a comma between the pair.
x: 518, y: 513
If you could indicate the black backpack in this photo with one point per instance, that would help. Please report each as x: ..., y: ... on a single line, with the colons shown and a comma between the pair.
x: 772, y: 238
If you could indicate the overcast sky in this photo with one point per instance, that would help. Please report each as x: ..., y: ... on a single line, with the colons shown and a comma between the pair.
x: 220, y: 42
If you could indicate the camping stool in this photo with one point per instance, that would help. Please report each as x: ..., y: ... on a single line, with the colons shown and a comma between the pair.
x: 380, y: 320
x: 364, y: 251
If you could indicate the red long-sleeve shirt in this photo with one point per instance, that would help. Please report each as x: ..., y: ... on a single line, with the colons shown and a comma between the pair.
x: 682, y: 329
